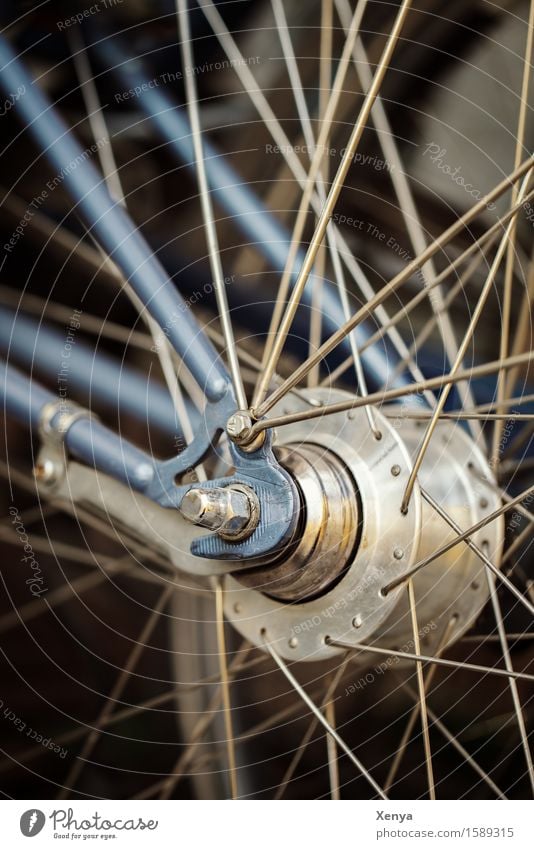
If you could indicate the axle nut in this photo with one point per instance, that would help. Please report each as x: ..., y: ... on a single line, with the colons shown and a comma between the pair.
x: 231, y: 511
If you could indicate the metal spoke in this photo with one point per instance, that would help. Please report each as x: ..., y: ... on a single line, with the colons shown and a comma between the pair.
x: 512, y: 683
x: 206, y: 203
x: 331, y: 749
x: 408, y: 208
x: 473, y: 638
x: 308, y: 734
x: 440, y: 661
x: 463, y: 535
x: 325, y: 84
x: 511, y: 251
x: 422, y: 694
x: 428, y: 329
x: 331, y: 200
x: 227, y: 705
x: 327, y: 100
x: 397, y: 281
x: 169, y: 783
x: 410, y: 725
x: 306, y: 181
x: 478, y: 551
x: 483, y: 245
x: 390, y: 394
x: 510, y: 402
x: 456, y: 417
x: 453, y: 740
x: 116, y: 691
x: 320, y: 716
x: 475, y: 318
x: 462, y: 281
x: 113, y: 182
x: 308, y: 185
x: 293, y: 71
x: 94, y: 114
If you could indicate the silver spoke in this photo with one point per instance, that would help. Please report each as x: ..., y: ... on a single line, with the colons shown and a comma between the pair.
x: 512, y: 683
x: 113, y: 182
x: 461, y: 536
x: 409, y: 212
x: 331, y: 749
x: 321, y: 718
x: 422, y: 693
x: 327, y: 99
x: 410, y: 725
x: 393, y: 285
x: 332, y: 198
x: 477, y: 312
x: 440, y: 661
x: 478, y: 551
x: 115, y: 694
x: 207, y: 207
x: 511, y: 251
x: 453, y: 740
x: 227, y: 705
x: 482, y: 245
x: 390, y: 394
x: 305, y: 181
x: 308, y: 734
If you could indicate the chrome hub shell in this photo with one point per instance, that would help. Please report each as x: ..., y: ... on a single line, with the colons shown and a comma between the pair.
x: 450, y: 592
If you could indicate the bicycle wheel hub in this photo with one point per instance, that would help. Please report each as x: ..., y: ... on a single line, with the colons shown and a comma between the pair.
x: 353, y: 540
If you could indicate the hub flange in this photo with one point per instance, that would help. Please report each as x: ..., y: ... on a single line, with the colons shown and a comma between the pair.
x: 348, y: 605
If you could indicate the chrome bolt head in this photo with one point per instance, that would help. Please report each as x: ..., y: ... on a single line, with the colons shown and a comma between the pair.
x: 238, y: 425
x: 230, y: 511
